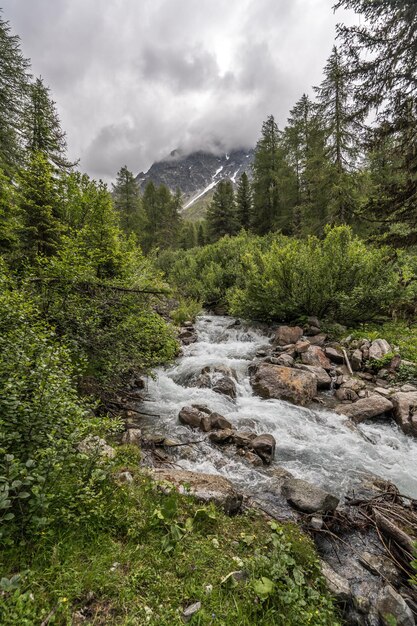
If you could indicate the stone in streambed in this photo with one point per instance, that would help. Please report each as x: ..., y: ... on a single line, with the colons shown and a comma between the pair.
x: 323, y: 379
x: 405, y: 411
x: 214, y: 421
x: 366, y: 408
x: 190, y: 416
x: 284, y: 383
x: 307, y: 497
x: 316, y: 356
x: 335, y: 355
x: 221, y: 436
x: 264, y: 446
x: 225, y: 386
x: 392, y: 608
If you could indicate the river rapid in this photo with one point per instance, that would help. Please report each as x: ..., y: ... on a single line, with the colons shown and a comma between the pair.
x: 315, y: 444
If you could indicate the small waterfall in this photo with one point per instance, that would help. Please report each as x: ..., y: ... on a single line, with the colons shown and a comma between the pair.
x: 317, y: 445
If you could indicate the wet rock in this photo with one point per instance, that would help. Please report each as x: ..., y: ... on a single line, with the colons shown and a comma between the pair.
x: 225, y: 371
x: 379, y: 348
x: 253, y: 459
x: 301, y: 346
x: 214, y: 421
x: 338, y: 586
x: 132, y: 436
x: 221, y: 436
x: 380, y: 565
x: 243, y: 439
x: 191, y: 416
x: 205, y: 487
x: 315, y: 356
x: 366, y: 408
x: 283, y: 383
x: 203, y: 408
x: 323, y: 379
x: 95, y: 446
x: 188, y: 336
x: 391, y: 606
x: 190, y: 611
x: 288, y: 334
x: 318, y: 340
x: 203, y: 381
x: 335, y: 355
x: 225, y: 386
x: 344, y: 394
x: 405, y: 411
x: 356, y: 360
x: 264, y: 447
x: 307, y: 497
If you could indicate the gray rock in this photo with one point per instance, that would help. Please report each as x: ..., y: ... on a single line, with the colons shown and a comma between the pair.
x: 318, y: 339
x: 316, y: 356
x: 323, y: 379
x: 284, y: 383
x: 288, y: 334
x: 356, y: 359
x: 190, y: 611
x: 264, y: 446
x: 286, y: 360
x: 408, y: 388
x: 379, y: 348
x: 313, y: 321
x: 312, y: 331
x: 204, y: 487
x: 243, y: 439
x: 307, y: 497
x: 190, y: 416
x: 405, y: 411
x: 391, y: 605
x: 225, y: 386
x: 380, y: 565
x: 366, y: 408
x: 335, y: 355
x: 344, y: 394
x: 203, y: 408
x: 338, y: 586
x: 132, y: 436
x: 125, y: 478
x: 95, y: 446
x: 302, y: 346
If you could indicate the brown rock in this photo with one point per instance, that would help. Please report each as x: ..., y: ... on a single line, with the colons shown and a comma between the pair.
x: 225, y: 386
x: 345, y: 394
x: 214, y: 421
x: 318, y: 340
x: 205, y: 487
x: 286, y: 360
x: 191, y: 416
x: 366, y: 408
x: 315, y: 356
x: 243, y: 439
x: 323, y: 379
x: 288, y: 334
x: 284, y: 383
x: 356, y: 359
x: 132, y: 436
x: 264, y: 446
x: 221, y: 436
x: 302, y: 346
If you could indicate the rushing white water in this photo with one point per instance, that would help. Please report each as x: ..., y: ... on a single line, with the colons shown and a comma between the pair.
x: 317, y: 445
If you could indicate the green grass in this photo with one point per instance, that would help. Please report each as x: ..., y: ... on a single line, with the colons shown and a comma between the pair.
x: 168, y: 552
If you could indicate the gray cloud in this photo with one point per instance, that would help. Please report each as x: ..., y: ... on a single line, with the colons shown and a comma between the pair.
x: 133, y: 80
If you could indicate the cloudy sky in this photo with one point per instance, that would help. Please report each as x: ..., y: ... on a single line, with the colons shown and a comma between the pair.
x: 134, y: 79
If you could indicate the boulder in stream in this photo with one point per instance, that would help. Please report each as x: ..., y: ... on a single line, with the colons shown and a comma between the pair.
x: 226, y: 386
x: 405, y: 411
x: 284, y: 383
x: 264, y: 446
x: 307, y: 497
x: 323, y: 379
x: 204, y: 487
x: 366, y: 408
x: 190, y: 416
x: 392, y: 608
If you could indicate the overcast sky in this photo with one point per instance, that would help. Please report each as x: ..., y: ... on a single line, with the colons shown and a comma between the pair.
x: 134, y: 79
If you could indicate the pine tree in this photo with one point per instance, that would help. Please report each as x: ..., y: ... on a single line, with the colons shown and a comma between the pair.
x: 201, y: 235
x: 273, y: 183
x: 221, y: 213
x: 38, y: 204
x: 43, y: 128
x: 336, y: 109
x: 13, y: 85
x: 162, y: 212
x: 9, y: 220
x: 244, y: 202
x: 127, y: 200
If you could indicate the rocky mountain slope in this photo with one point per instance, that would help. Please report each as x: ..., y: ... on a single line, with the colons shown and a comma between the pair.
x: 197, y: 174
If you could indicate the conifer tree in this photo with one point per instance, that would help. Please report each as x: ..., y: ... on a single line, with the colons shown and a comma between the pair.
x: 221, y: 213
x: 336, y: 109
x: 13, y: 85
x: 127, y: 200
x: 201, y: 235
x: 43, y: 128
x: 273, y: 183
x: 9, y: 220
x: 244, y: 202
x: 39, y: 206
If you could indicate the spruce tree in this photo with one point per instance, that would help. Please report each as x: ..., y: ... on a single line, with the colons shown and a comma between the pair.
x: 13, y: 85
x: 273, y: 183
x: 383, y: 54
x: 9, y: 219
x: 336, y: 109
x: 221, y: 213
x: 127, y: 200
x: 244, y: 202
x: 43, y: 128
x: 39, y: 207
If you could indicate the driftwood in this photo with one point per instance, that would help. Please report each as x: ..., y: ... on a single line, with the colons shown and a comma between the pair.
x: 348, y: 362
x: 394, y: 532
